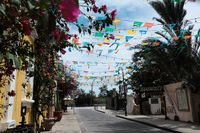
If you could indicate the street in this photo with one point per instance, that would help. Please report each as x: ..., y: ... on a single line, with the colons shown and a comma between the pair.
x: 92, y: 121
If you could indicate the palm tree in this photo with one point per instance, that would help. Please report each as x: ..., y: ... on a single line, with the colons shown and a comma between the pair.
x: 183, y: 56
x: 175, y: 58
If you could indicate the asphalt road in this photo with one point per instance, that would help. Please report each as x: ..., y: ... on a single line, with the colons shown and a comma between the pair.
x: 92, y: 121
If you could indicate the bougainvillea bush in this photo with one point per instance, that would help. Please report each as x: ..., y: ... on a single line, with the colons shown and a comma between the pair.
x: 32, y: 32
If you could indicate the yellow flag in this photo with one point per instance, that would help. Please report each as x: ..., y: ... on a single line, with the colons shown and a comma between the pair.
x: 100, y: 45
x: 116, y: 21
x: 119, y: 36
x: 106, y: 41
x: 131, y: 32
x: 144, y: 43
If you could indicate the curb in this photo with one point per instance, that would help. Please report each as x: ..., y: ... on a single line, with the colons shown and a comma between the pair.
x: 149, y: 124
x: 100, y: 111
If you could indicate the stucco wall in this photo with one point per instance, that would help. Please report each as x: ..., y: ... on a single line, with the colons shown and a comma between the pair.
x: 19, y: 95
x: 155, y: 107
x: 171, y: 99
x: 129, y: 106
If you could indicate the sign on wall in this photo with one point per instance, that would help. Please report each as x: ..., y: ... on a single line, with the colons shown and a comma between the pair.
x: 182, y: 99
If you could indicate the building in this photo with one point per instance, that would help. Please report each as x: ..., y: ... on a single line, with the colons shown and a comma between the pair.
x: 11, y: 104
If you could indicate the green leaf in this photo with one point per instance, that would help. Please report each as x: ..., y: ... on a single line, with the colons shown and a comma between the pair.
x: 1, y: 57
x: 30, y: 5
x: 9, y: 56
x: 17, y: 62
x: 17, y: 2
x: 2, y: 9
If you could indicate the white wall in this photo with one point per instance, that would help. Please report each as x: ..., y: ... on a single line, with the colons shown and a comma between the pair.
x: 155, y: 107
x: 9, y: 120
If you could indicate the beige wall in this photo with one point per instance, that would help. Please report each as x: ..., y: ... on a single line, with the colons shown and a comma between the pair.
x: 129, y: 105
x: 171, y: 98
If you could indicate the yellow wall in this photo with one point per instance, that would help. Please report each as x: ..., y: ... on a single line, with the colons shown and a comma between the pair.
x: 28, y: 115
x: 20, y: 77
x: 3, y: 101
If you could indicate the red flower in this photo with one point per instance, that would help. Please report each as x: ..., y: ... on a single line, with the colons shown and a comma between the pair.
x: 69, y: 10
x: 41, y: 12
x: 56, y: 35
x: 13, y: 12
x: 67, y: 37
x: 11, y: 93
x: 26, y: 27
x: 9, y: 71
x: 113, y: 14
x: 67, y: 29
x: 95, y: 9
x: 93, y: 2
x: 104, y: 8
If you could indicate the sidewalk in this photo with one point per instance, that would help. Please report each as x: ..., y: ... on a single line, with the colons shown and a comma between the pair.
x: 68, y: 124
x: 157, y: 121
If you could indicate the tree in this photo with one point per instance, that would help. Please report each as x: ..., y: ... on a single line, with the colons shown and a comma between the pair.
x: 172, y: 58
x: 103, y: 91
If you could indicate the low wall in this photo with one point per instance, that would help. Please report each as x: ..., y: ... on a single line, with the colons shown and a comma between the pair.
x: 181, y: 108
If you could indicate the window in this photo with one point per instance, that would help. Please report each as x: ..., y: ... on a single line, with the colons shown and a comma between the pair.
x: 154, y: 100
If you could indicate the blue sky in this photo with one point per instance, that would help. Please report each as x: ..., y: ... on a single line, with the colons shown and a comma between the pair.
x: 133, y: 10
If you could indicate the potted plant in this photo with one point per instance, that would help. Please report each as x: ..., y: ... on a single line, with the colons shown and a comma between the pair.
x: 48, y: 120
x: 48, y: 123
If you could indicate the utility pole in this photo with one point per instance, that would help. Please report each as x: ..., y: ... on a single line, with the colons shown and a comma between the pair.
x: 125, y: 94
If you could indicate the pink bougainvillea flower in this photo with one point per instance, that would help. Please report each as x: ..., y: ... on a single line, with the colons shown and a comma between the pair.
x: 62, y: 51
x: 93, y: 2
x: 67, y: 29
x: 67, y: 37
x: 26, y: 27
x: 41, y: 12
x: 113, y: 14
x: 11, y: 93
x: 69, y: 10
x: 13, y: 12
x: 104, y: 8
x: 56, y: 35
x: 95, y: 9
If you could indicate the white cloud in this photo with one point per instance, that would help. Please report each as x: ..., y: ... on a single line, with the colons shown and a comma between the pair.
x: 138, y: 10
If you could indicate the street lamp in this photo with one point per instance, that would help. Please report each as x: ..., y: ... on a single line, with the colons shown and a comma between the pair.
x: 125, y: 100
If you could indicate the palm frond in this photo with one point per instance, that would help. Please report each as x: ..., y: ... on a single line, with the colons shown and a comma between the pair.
x: 164, y: 36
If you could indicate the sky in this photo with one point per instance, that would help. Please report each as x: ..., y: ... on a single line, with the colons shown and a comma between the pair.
x: 128, y: 11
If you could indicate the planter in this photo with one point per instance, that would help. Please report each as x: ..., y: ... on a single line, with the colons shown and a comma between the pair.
x: 58, y: 115
x: 48, y: 123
